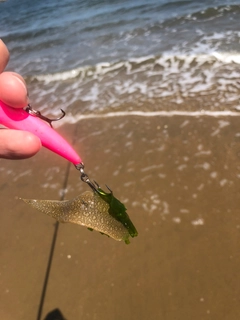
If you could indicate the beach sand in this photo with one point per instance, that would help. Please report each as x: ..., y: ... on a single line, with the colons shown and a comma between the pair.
x: 179, y: 178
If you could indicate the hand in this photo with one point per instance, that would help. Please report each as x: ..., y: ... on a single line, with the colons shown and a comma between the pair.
x: 14, y: 144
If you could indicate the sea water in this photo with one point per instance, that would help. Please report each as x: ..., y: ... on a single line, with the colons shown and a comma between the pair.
x: 108, y: 56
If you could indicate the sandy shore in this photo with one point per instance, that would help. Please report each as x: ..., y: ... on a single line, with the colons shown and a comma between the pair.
x: 178, y: 177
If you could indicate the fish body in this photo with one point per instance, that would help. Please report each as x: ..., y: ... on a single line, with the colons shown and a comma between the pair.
x: 88, y: 209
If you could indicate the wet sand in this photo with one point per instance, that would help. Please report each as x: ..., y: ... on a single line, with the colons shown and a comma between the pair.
x: 178, y: 177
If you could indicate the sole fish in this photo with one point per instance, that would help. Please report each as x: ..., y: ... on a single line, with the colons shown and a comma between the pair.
x: 89, y: 210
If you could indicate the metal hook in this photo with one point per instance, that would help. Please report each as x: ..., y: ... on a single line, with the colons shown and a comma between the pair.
x: 85, y: 178
x: 108, y: 188
x: 38, y: 114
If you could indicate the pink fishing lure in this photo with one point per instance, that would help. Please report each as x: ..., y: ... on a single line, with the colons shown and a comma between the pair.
x: 21, y: 120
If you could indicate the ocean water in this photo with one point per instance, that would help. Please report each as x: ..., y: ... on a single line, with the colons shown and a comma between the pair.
x: 91, y: 57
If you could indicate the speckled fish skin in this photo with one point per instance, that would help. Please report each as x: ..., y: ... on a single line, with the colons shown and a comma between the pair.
x: 88, y: 210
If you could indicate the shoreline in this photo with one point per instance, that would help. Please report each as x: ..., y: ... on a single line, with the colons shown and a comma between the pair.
x: 174, y: 113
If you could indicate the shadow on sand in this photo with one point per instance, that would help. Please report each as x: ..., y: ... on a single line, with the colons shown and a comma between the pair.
x: 55, y: 315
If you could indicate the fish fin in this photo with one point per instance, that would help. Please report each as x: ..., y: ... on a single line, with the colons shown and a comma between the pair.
x: 52, y: 208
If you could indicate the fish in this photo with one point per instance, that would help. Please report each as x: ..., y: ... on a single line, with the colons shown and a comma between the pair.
x: 96, y: 210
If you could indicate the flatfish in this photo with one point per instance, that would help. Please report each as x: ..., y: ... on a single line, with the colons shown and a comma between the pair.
x: 98, y: 211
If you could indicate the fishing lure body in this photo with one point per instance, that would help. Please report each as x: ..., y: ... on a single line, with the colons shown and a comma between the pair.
x: 20, y: 119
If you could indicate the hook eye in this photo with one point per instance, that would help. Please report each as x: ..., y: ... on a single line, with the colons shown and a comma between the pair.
x: 38, y: 114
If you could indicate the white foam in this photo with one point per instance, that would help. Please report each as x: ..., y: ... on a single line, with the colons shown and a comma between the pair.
x: 164, y: 60
x: 203, y: 113
x: 198, y: 222
x: 228, y: 57
x: 149, y: 79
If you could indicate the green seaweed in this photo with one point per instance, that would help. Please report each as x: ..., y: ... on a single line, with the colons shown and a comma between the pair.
x: 118, y: 211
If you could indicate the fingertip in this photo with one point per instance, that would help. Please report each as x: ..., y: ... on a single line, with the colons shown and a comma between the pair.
x: 13, y: 90
x: 32, y: 144
x: 16, y: 144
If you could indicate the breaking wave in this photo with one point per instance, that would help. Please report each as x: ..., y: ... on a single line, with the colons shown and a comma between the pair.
x: 164, y: 82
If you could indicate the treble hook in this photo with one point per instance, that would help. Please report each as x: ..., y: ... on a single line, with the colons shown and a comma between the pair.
x: 85, y: 178
x: 38, y: 114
